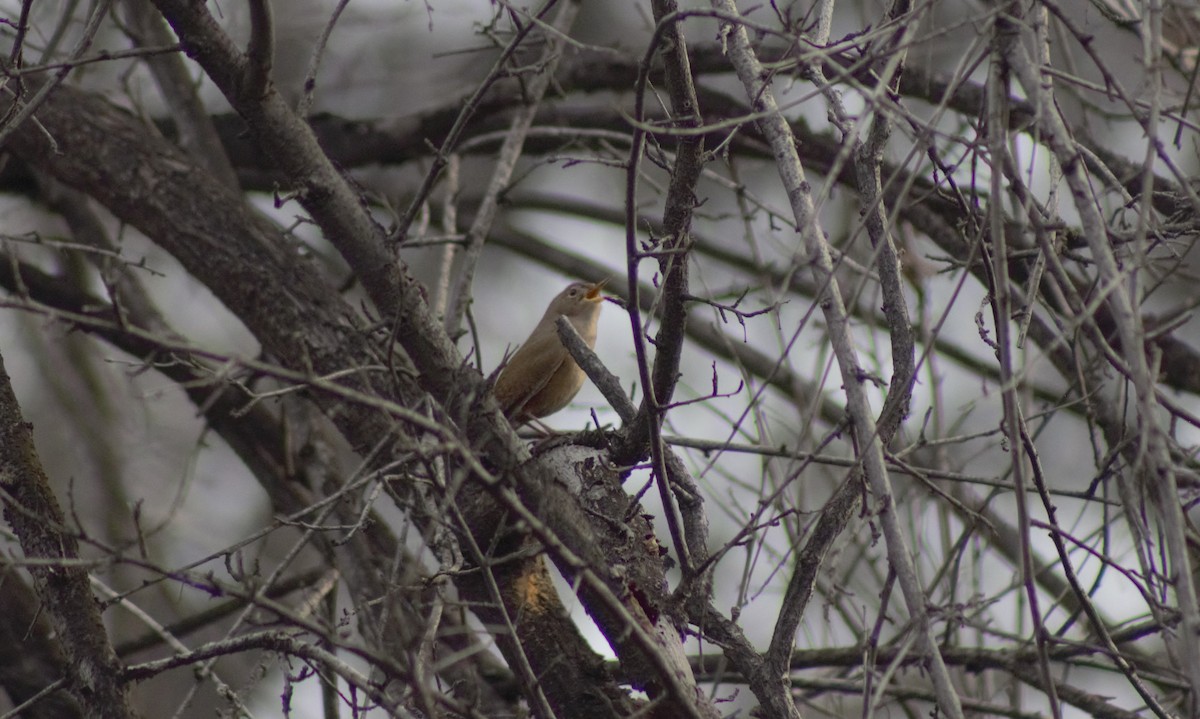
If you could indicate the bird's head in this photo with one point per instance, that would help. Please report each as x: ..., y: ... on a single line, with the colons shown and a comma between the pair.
x: 578, y: 300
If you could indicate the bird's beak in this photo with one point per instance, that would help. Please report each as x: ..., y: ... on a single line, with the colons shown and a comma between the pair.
x: 593, y: 293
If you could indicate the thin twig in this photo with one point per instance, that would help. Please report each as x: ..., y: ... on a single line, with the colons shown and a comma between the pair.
x: 506, y: 162
x: 870, y: 450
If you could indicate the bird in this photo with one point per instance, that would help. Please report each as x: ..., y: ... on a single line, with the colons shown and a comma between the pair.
x: 541, y: 377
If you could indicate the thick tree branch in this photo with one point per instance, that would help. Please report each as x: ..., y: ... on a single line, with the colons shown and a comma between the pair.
x: 31, y: 657
x: 32, y: 511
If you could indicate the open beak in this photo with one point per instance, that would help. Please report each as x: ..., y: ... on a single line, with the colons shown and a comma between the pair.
x: 593, y: 293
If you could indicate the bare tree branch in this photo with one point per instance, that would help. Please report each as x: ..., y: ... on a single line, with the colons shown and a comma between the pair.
x: 32, y: 511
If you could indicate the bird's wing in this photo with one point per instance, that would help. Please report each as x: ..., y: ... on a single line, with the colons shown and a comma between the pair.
x: 530, y: 368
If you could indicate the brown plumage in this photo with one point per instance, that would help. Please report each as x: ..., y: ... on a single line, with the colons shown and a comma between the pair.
x: 541, y: 378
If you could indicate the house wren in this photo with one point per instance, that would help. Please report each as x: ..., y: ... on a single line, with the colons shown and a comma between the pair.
x: 541, y: 378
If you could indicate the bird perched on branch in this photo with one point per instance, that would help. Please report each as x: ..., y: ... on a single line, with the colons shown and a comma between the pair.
x: 541, y: 378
